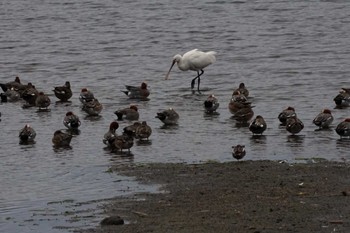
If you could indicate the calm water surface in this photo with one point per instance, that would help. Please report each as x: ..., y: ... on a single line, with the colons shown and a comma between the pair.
x: 289, y: 53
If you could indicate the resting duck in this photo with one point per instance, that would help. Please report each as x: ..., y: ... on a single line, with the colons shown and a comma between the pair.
x: 27, y: 134
x: 258, y: 125
x: 29, y: 94
x: 124, y: 141
x: 168, y: 117
x: 11, y: 95
x: 241, y: 90
x: 244, y: 115
x: 286, y: 113
x: 71, y: 121
x: 294, y: 125
x: 13, y: 84
x: 130, y: 113
x: 63, y: 93
x: 343, y: 98
x: 109, y: 137
x: 238, y: 152
x: 42, y: 101
x: 140, y: 92
x: 143, y: 131
x: 211, y: 104
x: 323, y: 119
x: 343, y: 128
x: 86, y: 96
x: 61, y: 139
x: 237, y: 102
x: 92, y: 107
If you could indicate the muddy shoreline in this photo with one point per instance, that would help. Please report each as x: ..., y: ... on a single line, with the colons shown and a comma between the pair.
x: 244, y: 196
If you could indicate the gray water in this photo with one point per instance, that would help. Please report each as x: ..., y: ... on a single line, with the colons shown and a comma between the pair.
x: 288, y: 53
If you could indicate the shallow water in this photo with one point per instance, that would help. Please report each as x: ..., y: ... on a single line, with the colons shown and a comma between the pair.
x: 288, y: 53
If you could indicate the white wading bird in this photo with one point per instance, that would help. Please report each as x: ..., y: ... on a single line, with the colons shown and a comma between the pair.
x: 193, y: 60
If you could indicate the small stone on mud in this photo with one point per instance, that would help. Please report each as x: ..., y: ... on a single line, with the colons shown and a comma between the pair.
x: 112, y: 220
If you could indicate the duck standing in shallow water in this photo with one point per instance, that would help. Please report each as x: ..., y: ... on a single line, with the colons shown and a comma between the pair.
x: 86, y: 96
x: 130, y: 113
x: 27, y: 134
x: 211, y: 104
x: 140, y: 92
x: 285, y: 114
x: 92, y: 107
x: 237, y: 102
x: 11, y: 95
x: 258, y: 125
x: 343, y: 128
x: 63, y: 93
x: 241, y: 90
x: 124, y: 141
x: 71, y: 121
x: 13, y: 84
x: 42, y: 101
x: 294, y: 125
x: 143, y: 131
x: 29, y: 94
x: 61, y: 139
x: 109, y: 137
x: 323, y: 119
x: 238, y: 152
x: 168, y: 117
x: 343, y: 98
x: 244, y: 114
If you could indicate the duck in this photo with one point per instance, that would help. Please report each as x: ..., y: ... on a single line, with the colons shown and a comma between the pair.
x: 211, y: 104
x: 71, y: 121
x: 130, y: 113
x: 110, y: 135
x: 294, y: 125
x: 238, y: 151
x: 12, y: 95
x: 42, y: 101
x: 86, y: 95
x: 343, y: 98
x: 286, y: 113
x: 143, y: 131
x: 134, y: 92
x: 63, y: 93
x: 258, y: 125
x: 29, y: 94
x: 61, y: 139
x: 12, y: 84
x: 323, y: 119
x: 92, y: 107
x: 237, y: 102
x: 168, y: 117
x: 124, y: 141
x: 244, y: 114
x: 27, y: 134
x: 132, y: 128
x: 343, y: 128
x: 242, y: 90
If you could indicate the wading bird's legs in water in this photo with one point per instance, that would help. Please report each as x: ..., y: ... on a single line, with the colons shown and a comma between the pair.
x: 198, y: 76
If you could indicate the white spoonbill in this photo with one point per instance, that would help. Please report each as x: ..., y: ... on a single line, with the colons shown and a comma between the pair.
x: 195, y: 60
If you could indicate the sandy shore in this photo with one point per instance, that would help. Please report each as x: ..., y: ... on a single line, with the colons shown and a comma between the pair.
x: 245, y: 196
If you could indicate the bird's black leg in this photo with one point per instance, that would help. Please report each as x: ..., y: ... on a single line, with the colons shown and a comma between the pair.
x: 193, y: 81
x: 198, y: 76
x: 199, y: 80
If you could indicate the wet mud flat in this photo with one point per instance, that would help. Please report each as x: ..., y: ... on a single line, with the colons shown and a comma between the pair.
x: 244, y: 196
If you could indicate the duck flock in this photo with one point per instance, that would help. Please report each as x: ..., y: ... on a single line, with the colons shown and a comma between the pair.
x: 239, y: 106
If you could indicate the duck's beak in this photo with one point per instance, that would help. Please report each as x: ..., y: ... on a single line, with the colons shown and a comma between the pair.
x: 167, y: 75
